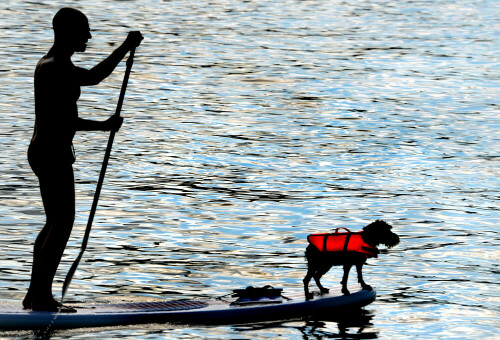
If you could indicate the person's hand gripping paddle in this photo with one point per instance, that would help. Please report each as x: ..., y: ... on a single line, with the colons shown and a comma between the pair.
x: 72, y: 270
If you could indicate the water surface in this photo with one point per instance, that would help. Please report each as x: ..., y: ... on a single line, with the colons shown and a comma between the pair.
x: 249, y: 125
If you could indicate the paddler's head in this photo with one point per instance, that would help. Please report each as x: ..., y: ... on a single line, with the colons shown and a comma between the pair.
x: 71, y: 29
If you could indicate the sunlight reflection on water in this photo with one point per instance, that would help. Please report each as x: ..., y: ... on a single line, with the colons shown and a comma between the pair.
x: 248, y: 127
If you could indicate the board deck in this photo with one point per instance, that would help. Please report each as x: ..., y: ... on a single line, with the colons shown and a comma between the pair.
x: 180, y: 311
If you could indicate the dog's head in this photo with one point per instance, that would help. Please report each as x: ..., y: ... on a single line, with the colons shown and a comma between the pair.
x: 379, y: 232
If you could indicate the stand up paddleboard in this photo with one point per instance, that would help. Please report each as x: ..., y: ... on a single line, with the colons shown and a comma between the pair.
x: 183, y: 311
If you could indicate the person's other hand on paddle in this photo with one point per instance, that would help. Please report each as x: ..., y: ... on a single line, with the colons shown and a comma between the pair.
x: 113, y: 123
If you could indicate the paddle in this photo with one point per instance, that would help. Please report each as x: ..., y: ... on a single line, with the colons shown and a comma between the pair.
x: 72, y: 270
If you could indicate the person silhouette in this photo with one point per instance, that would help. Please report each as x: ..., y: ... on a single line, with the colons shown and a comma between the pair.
x: 50, y: 153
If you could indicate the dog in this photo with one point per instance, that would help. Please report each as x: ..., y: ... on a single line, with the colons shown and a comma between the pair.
x: 345, y: 249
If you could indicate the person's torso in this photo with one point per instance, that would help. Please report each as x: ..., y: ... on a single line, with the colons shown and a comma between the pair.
x: 57, y: 90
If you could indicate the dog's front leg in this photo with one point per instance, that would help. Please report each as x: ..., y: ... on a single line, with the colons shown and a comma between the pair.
x: 317, y: 276
x: 359, y: 269
x: 347, y: 268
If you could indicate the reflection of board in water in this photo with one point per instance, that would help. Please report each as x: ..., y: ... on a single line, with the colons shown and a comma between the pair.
x: 181, y: 311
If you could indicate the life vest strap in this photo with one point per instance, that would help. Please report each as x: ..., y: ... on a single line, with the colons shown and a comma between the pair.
x: 347, y: 239
x: 325, y: 240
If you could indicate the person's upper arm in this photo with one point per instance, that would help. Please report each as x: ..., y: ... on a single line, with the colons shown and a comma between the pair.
x: 86, y: 77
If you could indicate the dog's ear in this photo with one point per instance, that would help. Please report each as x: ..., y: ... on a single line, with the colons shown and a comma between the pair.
x: 372, y: 225
x: 385, y: 224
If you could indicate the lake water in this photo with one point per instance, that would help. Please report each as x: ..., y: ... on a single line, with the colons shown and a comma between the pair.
x: 251, y: 124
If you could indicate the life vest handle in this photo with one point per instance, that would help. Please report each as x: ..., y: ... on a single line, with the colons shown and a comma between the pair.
x: 337, y: 230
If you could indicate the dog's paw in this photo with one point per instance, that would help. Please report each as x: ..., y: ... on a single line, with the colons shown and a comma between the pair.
x: 324, y: 291
x: 346, y: 291
x: 367, y: 287
x: 309, y: 296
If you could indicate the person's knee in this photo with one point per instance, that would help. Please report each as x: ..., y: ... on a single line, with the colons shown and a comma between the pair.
x: 64, y: 221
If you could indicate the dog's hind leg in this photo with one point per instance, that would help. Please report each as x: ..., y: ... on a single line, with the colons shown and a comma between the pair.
x: 309, y: 275
x: 347, y: 268
x: 359, y: 269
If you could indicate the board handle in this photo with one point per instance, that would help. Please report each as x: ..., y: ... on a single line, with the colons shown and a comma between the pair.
x: 337, y: 230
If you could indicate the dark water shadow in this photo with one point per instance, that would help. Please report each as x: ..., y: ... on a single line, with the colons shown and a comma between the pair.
x: 351, y: 324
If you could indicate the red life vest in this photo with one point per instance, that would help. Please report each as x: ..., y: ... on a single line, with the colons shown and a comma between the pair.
x: 339, y: 242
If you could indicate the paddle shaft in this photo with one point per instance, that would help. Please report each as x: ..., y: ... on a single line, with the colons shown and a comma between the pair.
x: 72, y: 270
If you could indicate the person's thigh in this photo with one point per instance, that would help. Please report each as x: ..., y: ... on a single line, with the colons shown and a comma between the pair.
x: 57, y: 187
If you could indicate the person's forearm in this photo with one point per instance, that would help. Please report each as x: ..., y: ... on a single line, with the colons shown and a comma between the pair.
x: 90, y: 125
x: 102, y: 70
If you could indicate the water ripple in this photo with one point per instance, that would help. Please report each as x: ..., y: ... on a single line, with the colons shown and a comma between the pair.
x: 247, y: 127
